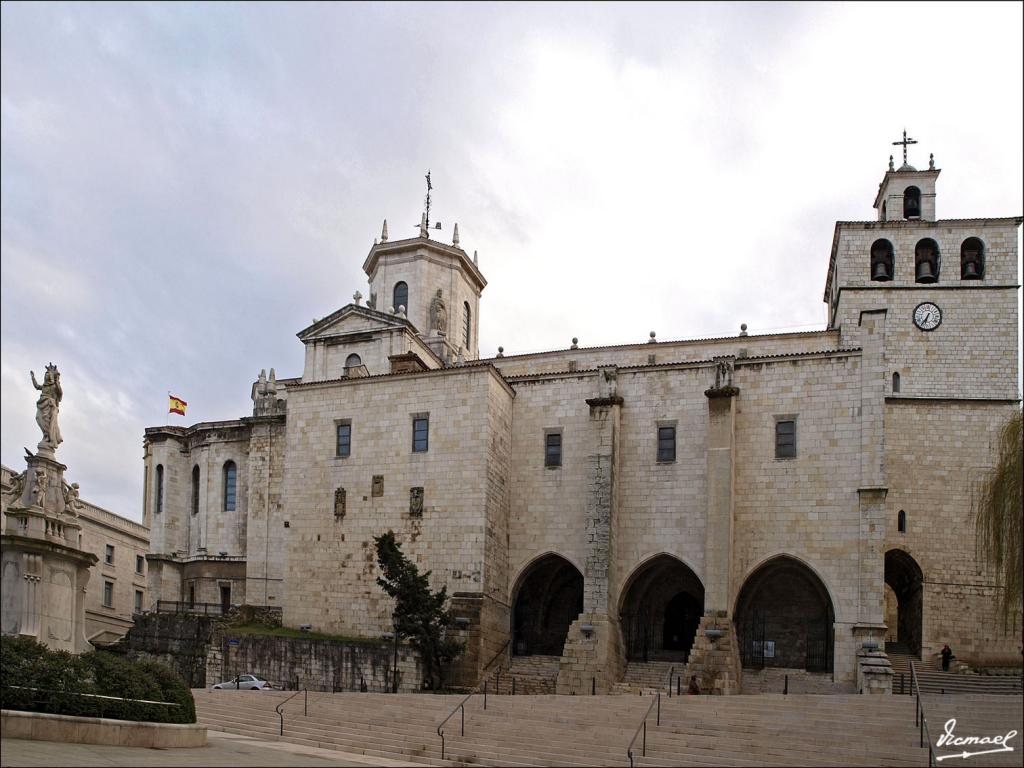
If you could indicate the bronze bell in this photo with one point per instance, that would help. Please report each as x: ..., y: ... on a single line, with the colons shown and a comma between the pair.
x: 924, y: 272
x: 971, y: 271
x: 880, y: 271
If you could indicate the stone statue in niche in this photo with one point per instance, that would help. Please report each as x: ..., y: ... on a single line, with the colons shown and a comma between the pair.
x: 39, y: 488
x: 723, y: 374
x: 339, y: 503
x: 416, y: 502
x: 47, y: 407
x: 72, y: 502
x: 440, y: 313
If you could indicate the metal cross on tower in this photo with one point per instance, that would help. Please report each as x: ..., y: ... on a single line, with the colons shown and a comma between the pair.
x: 904, y: 142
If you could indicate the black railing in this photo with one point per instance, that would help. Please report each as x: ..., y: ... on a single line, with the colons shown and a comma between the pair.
x: 671, y: 671
x: 203, y: 609
x: 305, y: 707
x: 461, y: 707
x: 919, y: 719
x: 643, y: 727
x: 100, y: 698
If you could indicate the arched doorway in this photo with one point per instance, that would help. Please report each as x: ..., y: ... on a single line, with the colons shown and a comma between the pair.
x: 548, y: 600
x: 660, y: 610
x: 903, y: 575
x: 784, y: 618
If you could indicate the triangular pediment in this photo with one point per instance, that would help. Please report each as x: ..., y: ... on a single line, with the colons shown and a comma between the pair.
x: 353, y: 319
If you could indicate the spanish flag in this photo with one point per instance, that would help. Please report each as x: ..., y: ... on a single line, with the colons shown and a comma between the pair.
x: 177, y: 405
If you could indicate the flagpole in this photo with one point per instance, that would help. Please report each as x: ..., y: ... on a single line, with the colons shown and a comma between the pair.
x: 168, y: 408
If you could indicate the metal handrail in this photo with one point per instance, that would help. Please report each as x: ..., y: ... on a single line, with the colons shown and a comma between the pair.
x: 643, y: 725
x: 919, y: 719
x: 671, y: 671
x: 461, y: 706
x: 305, y: 707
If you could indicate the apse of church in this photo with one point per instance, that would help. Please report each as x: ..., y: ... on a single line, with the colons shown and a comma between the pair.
x: 747, y: 501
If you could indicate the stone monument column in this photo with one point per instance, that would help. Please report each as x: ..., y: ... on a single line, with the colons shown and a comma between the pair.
x: 714, y: 658
x: 592, y: 658
x: 45, y: 571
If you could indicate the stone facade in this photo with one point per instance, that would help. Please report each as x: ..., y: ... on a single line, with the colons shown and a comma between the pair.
x: 686, y: 485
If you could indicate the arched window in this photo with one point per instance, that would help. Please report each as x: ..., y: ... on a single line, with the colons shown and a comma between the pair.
x: 401, y: 297
x: 352, y: 361
x: 195, y: 490
x: 158, y: 505
x: 895, y: 382
x: 881, y: 261
x: 467, y: 325
x: 926, y: 261
x: 230, y: 486
x: 911, y: 203
x: 901, y: 522
x: 972, y: 259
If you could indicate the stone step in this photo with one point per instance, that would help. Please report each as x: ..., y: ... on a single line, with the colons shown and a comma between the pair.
x: 583, y: 730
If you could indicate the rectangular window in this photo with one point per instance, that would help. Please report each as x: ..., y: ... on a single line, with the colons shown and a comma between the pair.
x: 666, y: 443
x: 785, y: 439
x: 108, y: 594
x: 140, y: 563
x: 108, y: 557
x: 553, y: 449
x: 138, y: 601
x: 420, y: 430
x: 344, y: 441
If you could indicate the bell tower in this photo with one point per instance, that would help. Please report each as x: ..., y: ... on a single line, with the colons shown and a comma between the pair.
x: 907, y: 194
x: 436, y: 286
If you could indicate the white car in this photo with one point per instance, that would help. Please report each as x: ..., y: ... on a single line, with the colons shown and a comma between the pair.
x: 244, y: 683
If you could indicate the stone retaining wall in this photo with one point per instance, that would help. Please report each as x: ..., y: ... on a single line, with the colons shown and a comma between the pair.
x: 41, y: 726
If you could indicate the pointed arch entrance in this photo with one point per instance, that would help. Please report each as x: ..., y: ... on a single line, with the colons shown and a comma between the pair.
x: 660, y: 610
x: 784, y: 618
x: 903, y: 575
x: 548, y: 599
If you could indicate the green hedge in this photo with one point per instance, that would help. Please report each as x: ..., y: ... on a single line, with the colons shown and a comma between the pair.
x: 26, y: 663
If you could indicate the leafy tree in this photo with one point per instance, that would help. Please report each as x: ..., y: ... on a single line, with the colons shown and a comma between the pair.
x: 997, y: 507
x: 420, y: 613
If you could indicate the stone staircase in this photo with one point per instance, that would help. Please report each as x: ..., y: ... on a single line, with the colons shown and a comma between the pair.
x: 582, y: 730
x: 534, y: 675
x: 642, y: 677
x: 977, y: 715
x: 933, y: 680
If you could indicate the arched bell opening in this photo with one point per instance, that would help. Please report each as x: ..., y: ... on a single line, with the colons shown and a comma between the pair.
x: 903, y: 575
x: 784, y: 618
x: 926, y: 261
x: 547, y: 602
x: 972, y: 259
x: 881, y: 261
x: 660, y: 610
x: 911, y: 203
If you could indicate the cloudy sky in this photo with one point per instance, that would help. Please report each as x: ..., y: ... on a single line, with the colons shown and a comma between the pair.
x: 184, y: 187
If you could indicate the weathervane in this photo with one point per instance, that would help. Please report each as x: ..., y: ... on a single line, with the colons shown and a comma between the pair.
x: 904, y: 142
x: 429, y: 187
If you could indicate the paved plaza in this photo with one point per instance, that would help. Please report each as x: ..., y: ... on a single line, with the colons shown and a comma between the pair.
x: 223, y: 749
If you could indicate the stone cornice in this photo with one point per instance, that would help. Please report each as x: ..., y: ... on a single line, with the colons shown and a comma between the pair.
x: 416, y: 243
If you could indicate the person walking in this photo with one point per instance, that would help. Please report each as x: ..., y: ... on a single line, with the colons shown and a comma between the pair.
x: 947, y: 654
x: 693, y: 689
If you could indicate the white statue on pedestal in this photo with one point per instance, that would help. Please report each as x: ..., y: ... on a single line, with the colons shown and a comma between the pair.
x: 48, y: 406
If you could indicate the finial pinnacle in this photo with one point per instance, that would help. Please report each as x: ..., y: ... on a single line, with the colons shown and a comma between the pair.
x: 455, y: 235
x: 423, y: 226
x: 931, y: 161
x: 892, y: 165
x: 384, y: 232
x: 475, y: 260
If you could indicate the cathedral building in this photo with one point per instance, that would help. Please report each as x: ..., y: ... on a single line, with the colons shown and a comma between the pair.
x: 781, y: 500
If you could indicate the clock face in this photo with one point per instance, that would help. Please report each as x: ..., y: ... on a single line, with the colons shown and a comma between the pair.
x: 927, y: 316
